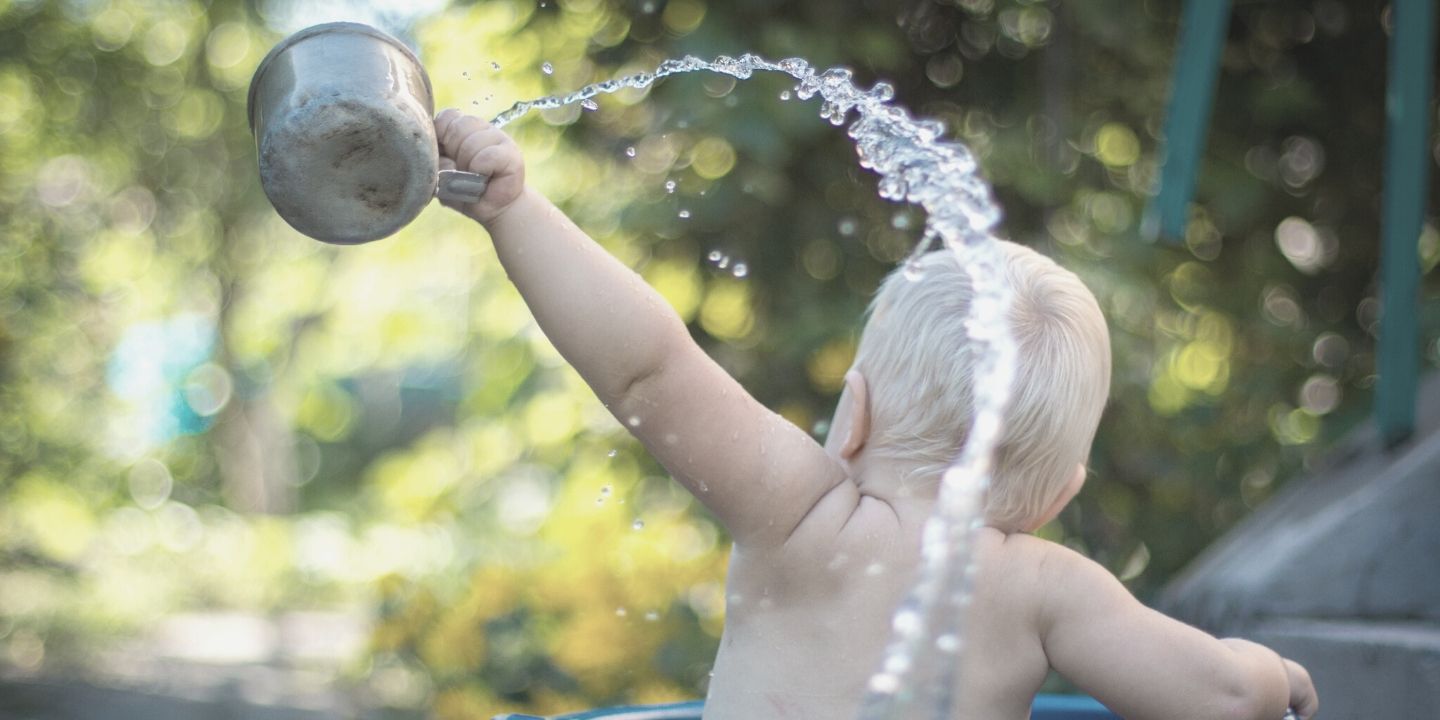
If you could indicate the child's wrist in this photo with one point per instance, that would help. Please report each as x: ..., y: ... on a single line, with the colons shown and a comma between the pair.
x: 497, y: 216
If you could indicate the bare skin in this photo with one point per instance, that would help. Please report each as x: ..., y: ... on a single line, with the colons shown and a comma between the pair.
x: 827, y: 539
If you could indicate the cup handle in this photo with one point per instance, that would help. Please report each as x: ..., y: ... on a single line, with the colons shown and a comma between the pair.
x: 459, y: 187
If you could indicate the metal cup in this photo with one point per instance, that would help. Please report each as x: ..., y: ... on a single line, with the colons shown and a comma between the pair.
x: 342, y: 118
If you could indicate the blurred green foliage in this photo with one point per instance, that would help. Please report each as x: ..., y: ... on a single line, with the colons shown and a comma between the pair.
x: 200, y: 408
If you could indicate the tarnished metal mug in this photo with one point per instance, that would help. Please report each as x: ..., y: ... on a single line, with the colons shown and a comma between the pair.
x: 342, y: 118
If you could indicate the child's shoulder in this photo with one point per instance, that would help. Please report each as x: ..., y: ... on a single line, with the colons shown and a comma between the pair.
x: 1034, y: 567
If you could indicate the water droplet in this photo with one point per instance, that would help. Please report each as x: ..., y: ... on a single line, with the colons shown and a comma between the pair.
x: 900, y: 221
x: 715, y: 256
x: 604, y: 490
x: 847, y: 227
x: 652, y: 616
x: 589, y: 104
x: 724, y: 262
x: 741, y: 270
x: 648, y: 8
x: 884, y: 683
x: 621, y: 612
x: 638, y: 524
x: 874, y: 569
x: 947, y: 643
x: 465, y: 74
x: 669, y: 186
x: 547, y: 68
x: 630, y: 151
x: 684, y: 214
x: 476, y: 103
x: 612, y: 453
x: 914, y: 271
x: 906, y: 622
x: 634, y: 421
x: 785, y: 95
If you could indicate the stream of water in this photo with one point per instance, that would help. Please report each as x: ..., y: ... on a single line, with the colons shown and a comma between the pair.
x: 917, y: 674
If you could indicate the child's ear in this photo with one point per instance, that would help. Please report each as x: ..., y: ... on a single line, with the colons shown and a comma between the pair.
x: 858, y: 431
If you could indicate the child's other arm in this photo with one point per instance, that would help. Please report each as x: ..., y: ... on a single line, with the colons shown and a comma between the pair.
x: 758, y: 473
x: 1142, y: 664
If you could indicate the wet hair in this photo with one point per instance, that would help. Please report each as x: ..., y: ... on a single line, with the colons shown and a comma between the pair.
x: 919, y: 364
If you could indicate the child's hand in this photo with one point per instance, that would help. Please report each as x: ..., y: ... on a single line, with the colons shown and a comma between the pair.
x: 1302, y: 690
x: 473, y: 145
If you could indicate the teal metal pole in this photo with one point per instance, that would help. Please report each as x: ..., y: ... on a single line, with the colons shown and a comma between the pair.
x: 1192, y: 91
x: 1407, y: 165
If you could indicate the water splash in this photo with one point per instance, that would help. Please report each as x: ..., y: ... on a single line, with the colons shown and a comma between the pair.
x: 915, y: 165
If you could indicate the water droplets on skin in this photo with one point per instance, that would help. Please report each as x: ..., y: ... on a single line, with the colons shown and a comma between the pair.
x: 684, y: 214
x: 784, y: 94
x: 638, y: 524
x: 612, y: 453
x: 630, y: 151
x: 547, y: 68
x: 741, y: 270
x: 669, y: 186
x: 916, y: 166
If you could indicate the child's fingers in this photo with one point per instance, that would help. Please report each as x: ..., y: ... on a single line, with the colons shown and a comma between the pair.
x: 459, y: 130
x: 473, y: 145
x: 494, y: 161
x: 443, y: 121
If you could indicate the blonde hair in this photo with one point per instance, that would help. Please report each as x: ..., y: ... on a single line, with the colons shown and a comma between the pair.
x: 919, y: 364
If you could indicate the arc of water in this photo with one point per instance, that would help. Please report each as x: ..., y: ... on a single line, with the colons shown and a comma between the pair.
x: 920, y: 665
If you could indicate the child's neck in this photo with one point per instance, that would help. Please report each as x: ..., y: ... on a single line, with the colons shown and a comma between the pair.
x: 894, y: 479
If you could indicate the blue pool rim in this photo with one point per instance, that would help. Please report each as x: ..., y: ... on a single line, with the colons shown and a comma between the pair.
x: 1046, y: 707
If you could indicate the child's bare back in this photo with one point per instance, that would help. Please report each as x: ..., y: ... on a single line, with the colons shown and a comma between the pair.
x: 827, y: 539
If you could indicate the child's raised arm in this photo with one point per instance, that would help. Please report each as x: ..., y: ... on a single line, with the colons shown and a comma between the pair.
x: 757, y: 472
x: 1144, y: 665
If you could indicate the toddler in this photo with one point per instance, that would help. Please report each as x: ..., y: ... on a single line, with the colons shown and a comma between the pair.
x: 827, y: 539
